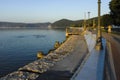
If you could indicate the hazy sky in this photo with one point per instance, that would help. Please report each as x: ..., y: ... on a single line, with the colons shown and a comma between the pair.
x: 49, y: 10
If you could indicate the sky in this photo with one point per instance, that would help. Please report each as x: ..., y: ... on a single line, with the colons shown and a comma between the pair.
x: 34, y: 11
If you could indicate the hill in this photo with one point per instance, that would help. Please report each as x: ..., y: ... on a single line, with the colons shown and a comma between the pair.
x: 63, y: 23
x: 106, y: 20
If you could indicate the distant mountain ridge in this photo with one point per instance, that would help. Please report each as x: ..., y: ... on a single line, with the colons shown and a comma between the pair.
x: 23, y: 25
x: 63, y: 23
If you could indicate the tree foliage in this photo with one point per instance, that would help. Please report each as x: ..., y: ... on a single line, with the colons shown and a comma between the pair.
x: 115, y: 11
x: 106, y: 20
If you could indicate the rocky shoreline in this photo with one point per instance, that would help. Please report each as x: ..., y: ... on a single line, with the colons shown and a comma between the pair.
x: 34, y: 69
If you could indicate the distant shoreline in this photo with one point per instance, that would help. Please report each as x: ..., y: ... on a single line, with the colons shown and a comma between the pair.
x: 11, y: 25
x: 21, y: 27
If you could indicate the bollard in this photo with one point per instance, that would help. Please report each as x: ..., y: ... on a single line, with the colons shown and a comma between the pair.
x: 40, y: 55
x: 57, y: 44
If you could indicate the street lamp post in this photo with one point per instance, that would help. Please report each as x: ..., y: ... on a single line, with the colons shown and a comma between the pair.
x: 99, y: 37
x: 84, y: 22
x: 88, y: 19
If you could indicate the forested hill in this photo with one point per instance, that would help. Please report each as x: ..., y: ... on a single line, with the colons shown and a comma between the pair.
x: 106, y: 20
x: 23, y: 25
x: 63, y: 23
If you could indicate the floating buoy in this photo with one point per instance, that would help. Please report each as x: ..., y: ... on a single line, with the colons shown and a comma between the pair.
x: 40, y: 55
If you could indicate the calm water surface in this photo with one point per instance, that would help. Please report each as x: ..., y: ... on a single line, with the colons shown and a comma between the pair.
x: 19, y: 47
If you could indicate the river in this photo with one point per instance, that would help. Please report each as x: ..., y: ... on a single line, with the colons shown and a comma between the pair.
x: 20, y: 46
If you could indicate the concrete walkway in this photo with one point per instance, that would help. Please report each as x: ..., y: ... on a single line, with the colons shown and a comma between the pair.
x: 64, y: 69
x: 93, y: 68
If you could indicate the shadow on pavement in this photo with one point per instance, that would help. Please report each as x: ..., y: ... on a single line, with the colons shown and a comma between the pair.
x: 55, y: 75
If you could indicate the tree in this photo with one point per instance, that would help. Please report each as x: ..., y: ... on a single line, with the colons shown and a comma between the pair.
x: 115, y: 11
x: 106, y: 20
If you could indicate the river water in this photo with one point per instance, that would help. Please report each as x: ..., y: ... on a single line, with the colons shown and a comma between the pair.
x: 20, y: 46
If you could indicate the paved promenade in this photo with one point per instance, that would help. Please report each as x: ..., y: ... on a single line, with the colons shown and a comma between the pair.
x: 64, y: 69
